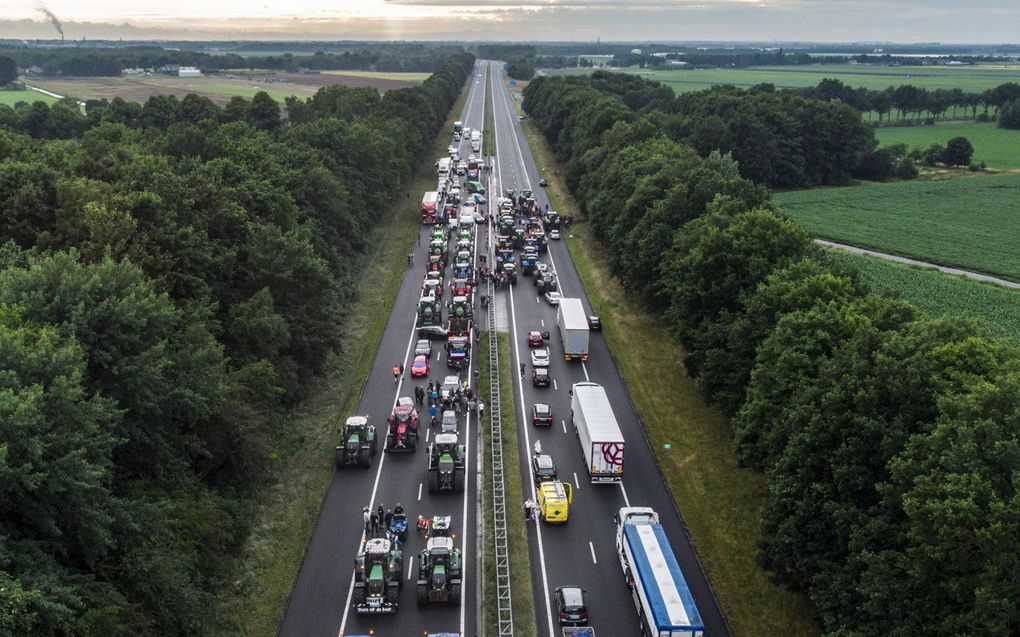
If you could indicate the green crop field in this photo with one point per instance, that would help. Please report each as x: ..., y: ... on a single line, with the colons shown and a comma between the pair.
x: 11, y: 98
x: 969, y: 222
x: 968, y: 78
x: 999, y: 148
x: 996, y: 309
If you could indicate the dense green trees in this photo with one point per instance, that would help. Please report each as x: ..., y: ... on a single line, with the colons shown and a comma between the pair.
x: 8, y: 70
x: 890, y: 441
x: 520, y: 67
x: 170, y: 276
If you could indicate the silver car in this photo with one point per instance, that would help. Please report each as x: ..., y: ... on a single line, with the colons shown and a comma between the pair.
x: 540, y: 357
x: 449, y: 423
x: 423, y: 347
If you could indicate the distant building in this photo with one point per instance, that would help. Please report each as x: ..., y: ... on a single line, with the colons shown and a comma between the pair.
x: 635, y: 51
x: 188, y: 71
x: 170, y: 69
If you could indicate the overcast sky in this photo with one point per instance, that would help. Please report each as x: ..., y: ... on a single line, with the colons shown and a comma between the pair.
x: 991, y: 21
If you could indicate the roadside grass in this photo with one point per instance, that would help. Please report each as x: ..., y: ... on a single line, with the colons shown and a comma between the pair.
x: 488, y: 141
x: 967, y: 223
x: 970, y: 79
x: 719, y: 500
x: 284, y: 519
x: 997, y: 147
x: 10, y: 98
x: 517, y: 534
x: 994, y: 308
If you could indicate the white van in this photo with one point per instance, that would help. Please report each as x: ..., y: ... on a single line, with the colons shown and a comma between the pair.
x: 466, y: 219
x: 443, y: 167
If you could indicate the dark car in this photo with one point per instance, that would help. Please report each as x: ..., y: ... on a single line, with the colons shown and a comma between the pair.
x: 542, y: 468
x: 433, y: 332
x: 536, y: 339
x: 571, y: 606
x: 541, y: 414
x: 540, y: 377
x: 594, y: 322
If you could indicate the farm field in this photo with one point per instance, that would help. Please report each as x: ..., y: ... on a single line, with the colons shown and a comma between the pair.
x: 999, y: 148
x: 994, y: 308
x: 10, y: 98
x: 219, y: 88
x: 412, y: 78
x: 972, y: 79
x: 968, y: 222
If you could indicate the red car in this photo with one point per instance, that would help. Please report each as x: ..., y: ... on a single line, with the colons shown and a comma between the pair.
x: 420, y: 366
x: 536, y: 339
x: 541, y: 414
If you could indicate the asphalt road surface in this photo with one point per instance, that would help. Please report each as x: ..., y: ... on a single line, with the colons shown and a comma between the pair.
x: 320, y: 602
x: 581, y: 552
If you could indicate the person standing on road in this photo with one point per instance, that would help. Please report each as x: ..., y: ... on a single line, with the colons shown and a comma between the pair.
x: 538, y: 447
x: 481, y: 409
x: 368, y: 519
x: 380, y: 511
x: 388, y: 518
x: 522, y: 370
x: 527, y: 510
x: 375, y: 523
x: 396, y: 374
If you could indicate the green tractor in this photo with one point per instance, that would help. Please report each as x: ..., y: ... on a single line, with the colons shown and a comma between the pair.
x: 439, y: 572
x: 460, y: 308
x: 552, y: 220
x: 429, y: 312
x: 357, y: 443
x: 447, y: 469
x: 377, y: 577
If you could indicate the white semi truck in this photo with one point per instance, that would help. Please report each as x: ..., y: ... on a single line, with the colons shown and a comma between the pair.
x: 660, y: 592
x: 573, y: 324
x: 596, y: 427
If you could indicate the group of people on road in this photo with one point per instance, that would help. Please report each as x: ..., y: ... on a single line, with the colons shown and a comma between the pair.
x: 529, y: 510
x: 378, y: 521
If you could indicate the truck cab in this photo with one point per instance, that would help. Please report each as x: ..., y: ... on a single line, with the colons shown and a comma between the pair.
x: 554, y: 499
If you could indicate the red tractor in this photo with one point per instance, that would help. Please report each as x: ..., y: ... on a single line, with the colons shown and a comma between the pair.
x: 403, y: 433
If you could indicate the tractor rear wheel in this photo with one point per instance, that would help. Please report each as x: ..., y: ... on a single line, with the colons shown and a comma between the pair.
x: 433, y: 480
x: 364, y: 459
x: 459, y: 475
x: 454, y: 592
x: 358, y: 598
x: 340, y: 458
x: 422, y: 591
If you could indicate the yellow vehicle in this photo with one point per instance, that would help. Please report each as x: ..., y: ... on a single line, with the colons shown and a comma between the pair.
x: 554, y: 500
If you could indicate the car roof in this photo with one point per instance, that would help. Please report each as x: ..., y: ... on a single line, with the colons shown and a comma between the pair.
x: 541, y: 371
x: 572, y: 595
x: 541, y: 350
x: 452, y: 380
x: 541, y: 407
x: 420, y: 358
x: 543, y: 461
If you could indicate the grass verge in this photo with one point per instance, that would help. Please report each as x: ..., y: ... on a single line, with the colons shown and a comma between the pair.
x: 517, y: 533
x: 994, y: 308
x: 719, y: 500
x: 285, y: 518
x: 488, y: 138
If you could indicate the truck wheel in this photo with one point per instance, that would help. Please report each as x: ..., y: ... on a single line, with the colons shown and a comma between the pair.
x: 393, y: 593
x: 459, y: 476
x: 433, y: 480
x: 455, y: 592
x: 422, y: 592
x: 364, y: 457
x: 358, y: 598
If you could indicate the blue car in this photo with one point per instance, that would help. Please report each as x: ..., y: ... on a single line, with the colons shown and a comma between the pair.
x: 480, y: 199
x: 398, y: 526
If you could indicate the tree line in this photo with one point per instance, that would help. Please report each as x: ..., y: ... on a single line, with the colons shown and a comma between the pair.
x: 111, y: 61
x: 890, y: 440
x: 172, y: 275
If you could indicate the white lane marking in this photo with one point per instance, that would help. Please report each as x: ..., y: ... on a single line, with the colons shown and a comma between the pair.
x: 555, y: 388
x: 538, y: 299
x: 527, y: 448
x: 564, y: 423
x: 428, y: 430
x: 592, y: 547
x: 410, y: 565
x: 439, y: 357
x: 543, y: 322
x: 419, y: 484
x: 585, y: 369
x: 375, y: 489
x: 576, y: 482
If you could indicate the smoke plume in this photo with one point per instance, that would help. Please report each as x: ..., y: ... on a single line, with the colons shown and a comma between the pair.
x: 53, y: 19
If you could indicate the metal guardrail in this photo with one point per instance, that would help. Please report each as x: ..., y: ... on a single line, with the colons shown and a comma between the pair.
x: 504, y: 602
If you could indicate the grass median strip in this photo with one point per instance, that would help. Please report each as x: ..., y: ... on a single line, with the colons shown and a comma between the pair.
x: 517, y: 533
x: 719, y: 500
x: 254, y: 601
x: 489, y: 133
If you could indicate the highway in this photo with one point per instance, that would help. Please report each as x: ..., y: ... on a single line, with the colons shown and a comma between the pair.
x: 581, y: 552
x: 320, y: 601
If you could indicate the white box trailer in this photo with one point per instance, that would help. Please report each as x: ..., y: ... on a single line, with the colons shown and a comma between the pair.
x: 573, y: 325
x: 596, y: 427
